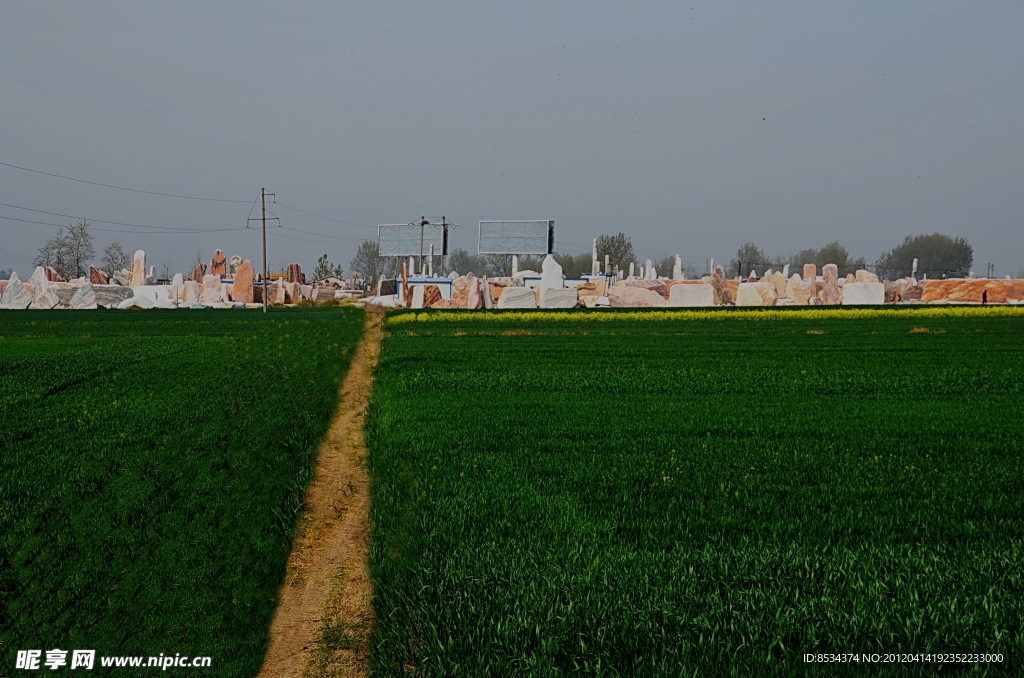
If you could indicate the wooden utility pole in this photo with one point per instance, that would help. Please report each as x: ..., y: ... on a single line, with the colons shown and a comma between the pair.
x: 263, y: 200
x: 266, y: 271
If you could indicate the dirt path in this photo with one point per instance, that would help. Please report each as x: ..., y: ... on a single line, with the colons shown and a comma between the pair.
x: 323, y: 621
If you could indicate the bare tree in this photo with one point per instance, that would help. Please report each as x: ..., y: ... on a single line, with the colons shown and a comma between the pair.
x: 49, y: 254
x: 115, y: 258
x: 368, y: 262
x: 69, y: 251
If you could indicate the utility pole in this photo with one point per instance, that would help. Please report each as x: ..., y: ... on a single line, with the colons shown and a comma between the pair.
x: 444, y: 229
x: 263, y: 201
x: 423, y: 223
x: 266, y: 271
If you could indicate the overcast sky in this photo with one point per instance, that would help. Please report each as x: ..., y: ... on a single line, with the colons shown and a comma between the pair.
x: 694, y: 127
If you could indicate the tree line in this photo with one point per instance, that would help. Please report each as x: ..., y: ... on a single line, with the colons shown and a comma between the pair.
x: 72, y: 248
x: 938, y: 256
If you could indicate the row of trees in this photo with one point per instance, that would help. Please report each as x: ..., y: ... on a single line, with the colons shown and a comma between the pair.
x: 71, y: 250
x: 370, y: 265
x: 938, y: 255
x: 750, y: 257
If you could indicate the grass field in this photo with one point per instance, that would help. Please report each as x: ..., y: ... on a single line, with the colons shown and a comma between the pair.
x: 698, y: 494
x: 153, y: 466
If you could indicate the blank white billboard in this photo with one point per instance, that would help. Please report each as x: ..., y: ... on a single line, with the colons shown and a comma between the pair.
x: 517, y: 237
x: 403, y: 240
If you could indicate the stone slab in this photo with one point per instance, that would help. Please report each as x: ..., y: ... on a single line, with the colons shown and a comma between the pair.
x: 219, y: 265
x: 635, y: 297
x: 136, y: 302
x: 749, y: 294
x: 591, y: 301
x: 517, y: 297
x: 550, y: 278
x: 138, y: 269
x: 84, y: 297
x: 213, y: 291
x: 110, y: 296
x: 865, y: 293
x: 243, y: 289
x: 830, y: 292
x: 564, y: 298
x: 47, y: 300
x: 417, y: 297
x: 653, y: 285
x: 724, y: 293
x: 16, y: 295
x: 695, y: 295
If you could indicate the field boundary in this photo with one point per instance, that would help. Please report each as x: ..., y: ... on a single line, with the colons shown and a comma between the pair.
x: 324, y: 617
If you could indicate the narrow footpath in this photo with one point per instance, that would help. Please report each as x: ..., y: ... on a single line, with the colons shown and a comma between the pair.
x: 324, y: 619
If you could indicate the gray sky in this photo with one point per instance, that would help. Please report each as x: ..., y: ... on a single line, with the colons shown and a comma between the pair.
x: 694, y: 127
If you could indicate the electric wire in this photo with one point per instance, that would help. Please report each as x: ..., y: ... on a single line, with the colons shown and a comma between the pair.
x: 287, y: 236
x: 320, y: 216
x: 120, y: 188
x: 112, y: 223
x: 14, y: 256
x: 326, y: 238
x: 117, y: 230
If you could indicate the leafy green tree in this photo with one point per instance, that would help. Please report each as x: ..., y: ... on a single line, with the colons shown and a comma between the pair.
x: 530, y: 262
x: 574, y: 265
x: 619, y: 249
x: 462, y: 262
x: 831, y: 253
x: 498, y: 264
x: 749, y: 256
x: 938, y: 255
x: 664, y: 265
x: 325, y: 269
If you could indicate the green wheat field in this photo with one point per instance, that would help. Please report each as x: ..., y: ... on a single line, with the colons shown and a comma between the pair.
x: 698, y: 493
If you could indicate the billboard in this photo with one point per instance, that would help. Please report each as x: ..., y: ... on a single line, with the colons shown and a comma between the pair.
x: 517, y: 237
x: 403, y: 240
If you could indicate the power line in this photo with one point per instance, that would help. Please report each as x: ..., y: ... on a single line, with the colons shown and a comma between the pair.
x: 177, y: 229
x: 115, y: 230
x: 320, y: 216
x: 14, y: 256
x: 286, y: 236
x: 326, y: 238
x: 120, y: 188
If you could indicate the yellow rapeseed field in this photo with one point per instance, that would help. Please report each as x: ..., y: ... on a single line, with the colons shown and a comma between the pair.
x: 810, y: 313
